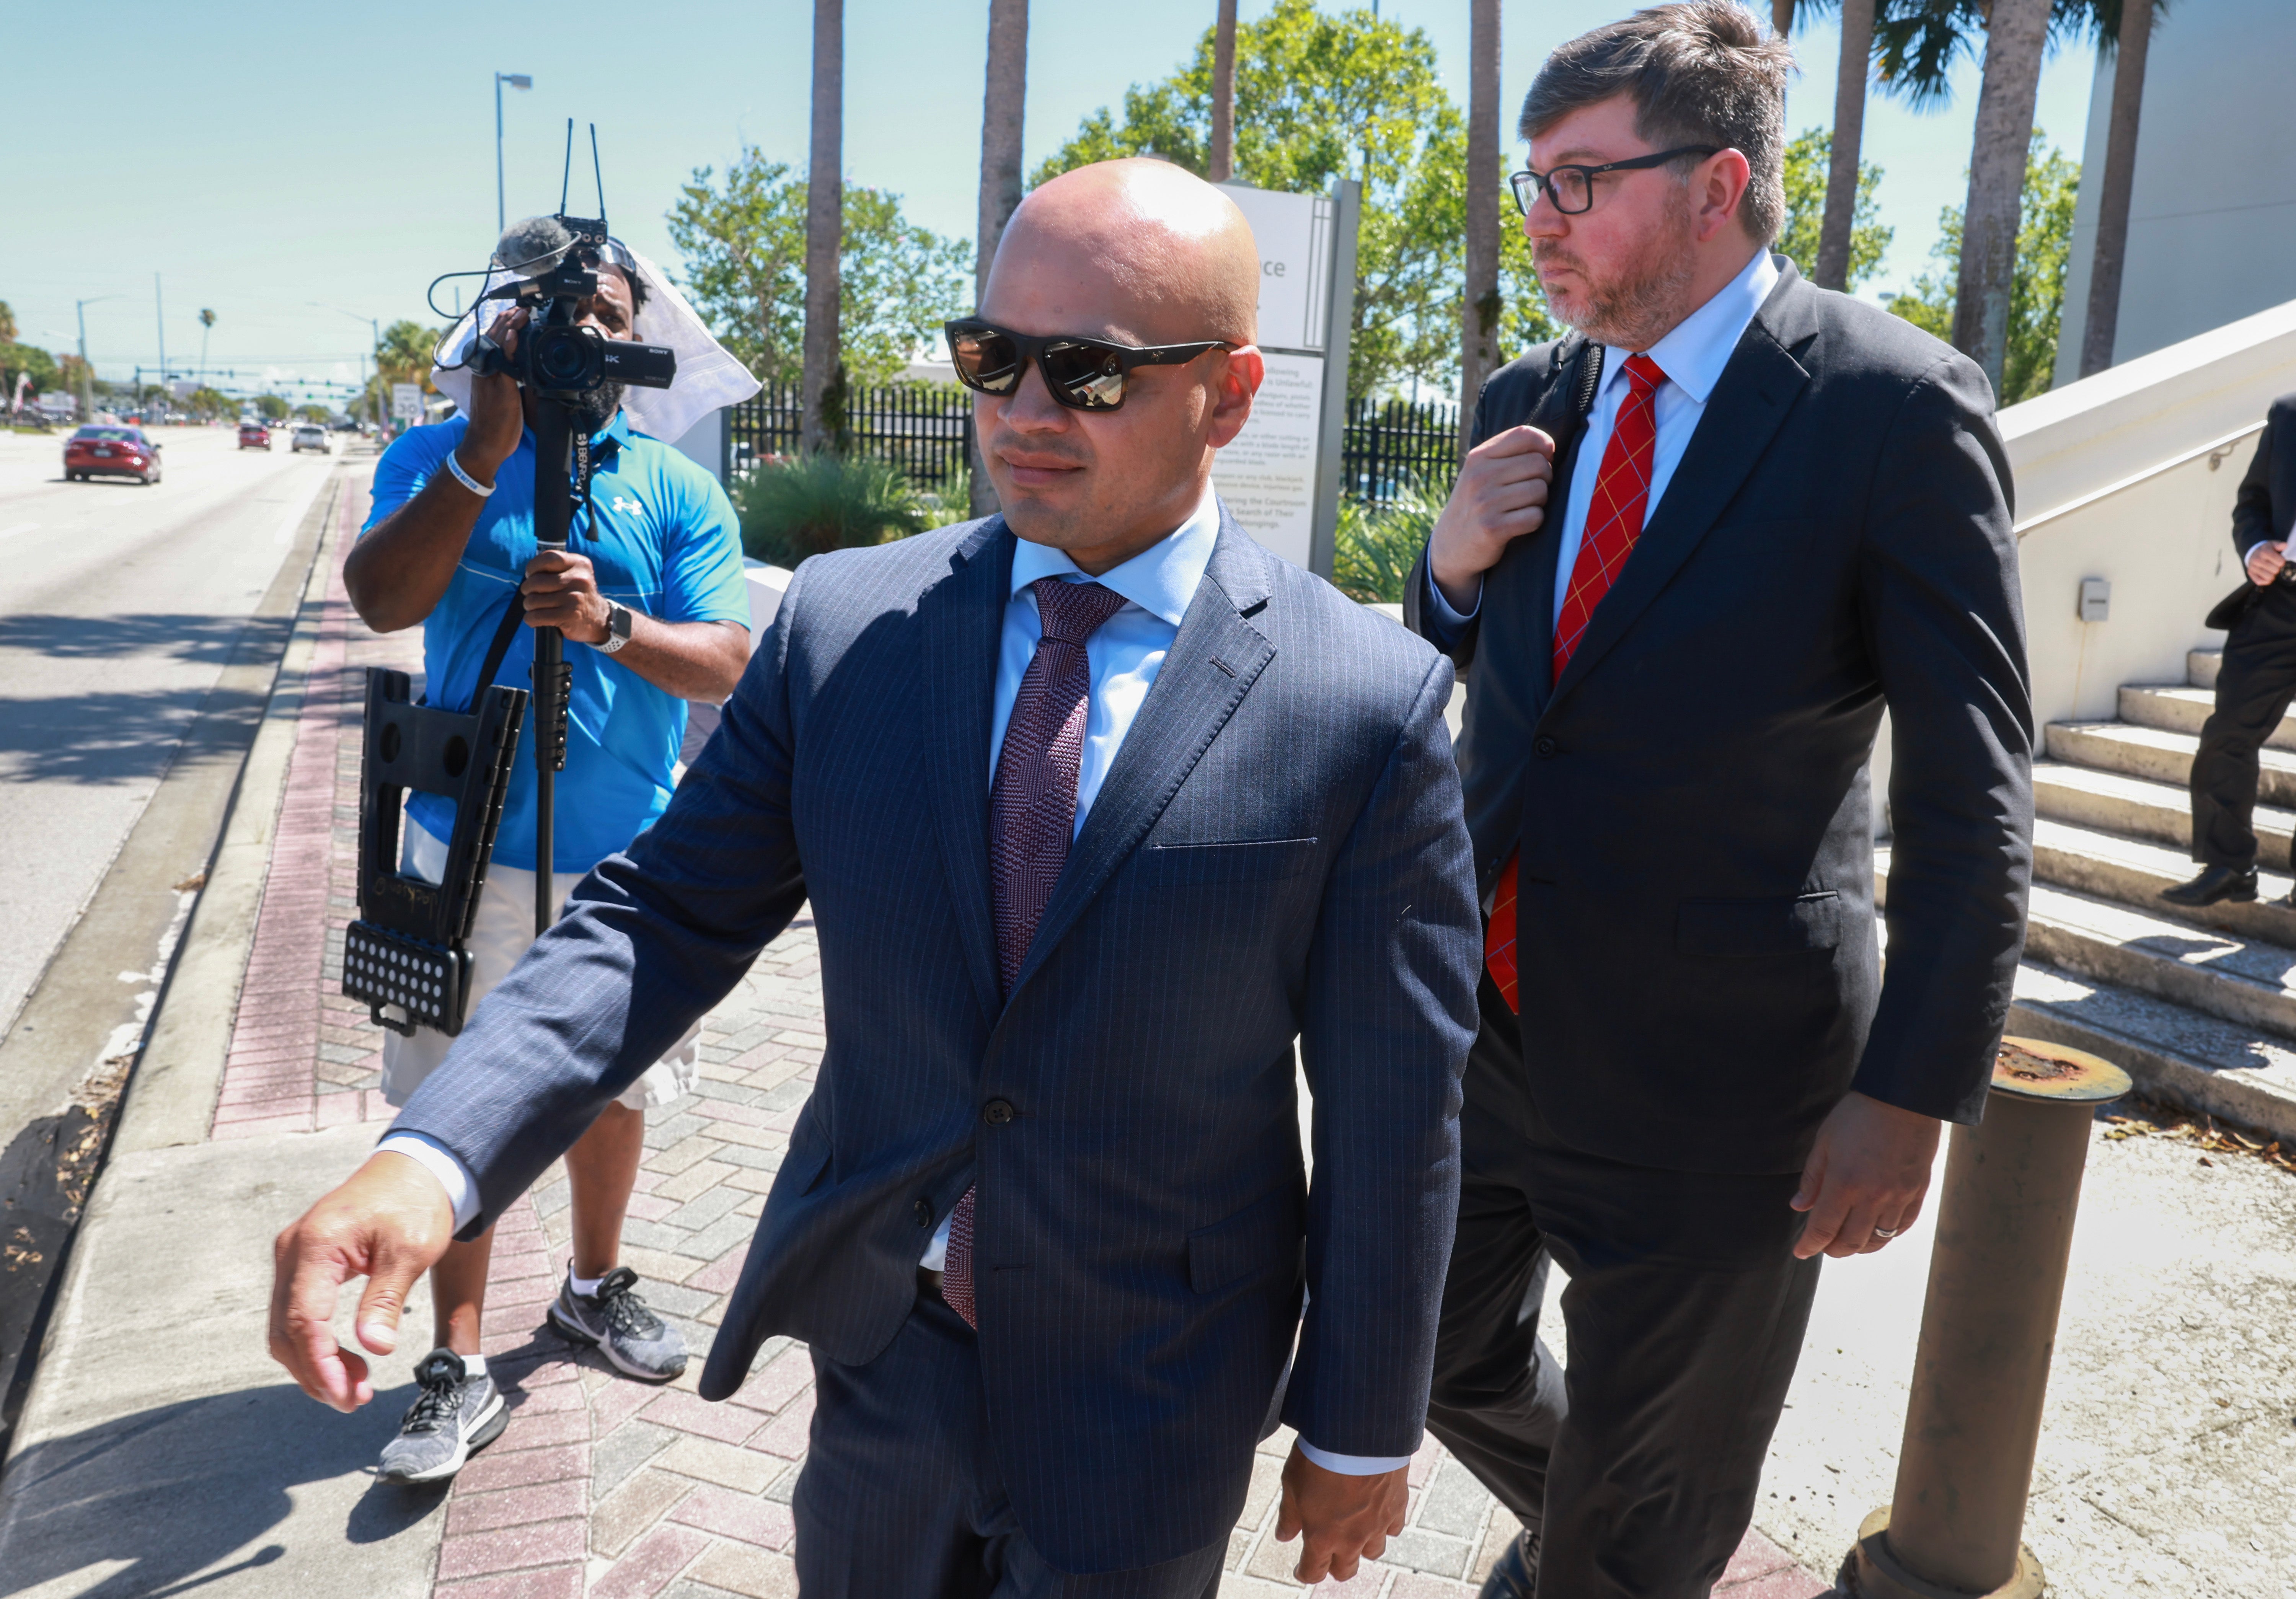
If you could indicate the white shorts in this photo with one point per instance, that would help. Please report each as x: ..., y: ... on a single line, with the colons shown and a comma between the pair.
x: 500, y: 934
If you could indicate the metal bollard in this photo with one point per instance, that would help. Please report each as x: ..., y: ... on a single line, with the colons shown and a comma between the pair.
x: 2005, y: 1230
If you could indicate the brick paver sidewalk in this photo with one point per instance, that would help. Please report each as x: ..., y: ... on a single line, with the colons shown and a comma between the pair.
x: 601, y: 1486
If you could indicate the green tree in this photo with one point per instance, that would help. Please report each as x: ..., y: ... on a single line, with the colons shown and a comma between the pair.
x: 273, y: 407
x: 403, y: 356
x: 15, y: 358
x: 7, y: 324
x: 318, y: 413
x: 743, y: 242
x: 209, y: 403
x: 1322, y: 97
x: 2036, y: 293
x: 1807, y: 161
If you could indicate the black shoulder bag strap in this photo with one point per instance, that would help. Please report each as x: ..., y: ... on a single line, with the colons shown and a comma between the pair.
x: 506, y: 631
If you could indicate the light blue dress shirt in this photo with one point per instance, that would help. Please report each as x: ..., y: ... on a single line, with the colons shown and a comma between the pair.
x: 1125, y: 653
x: 1692, y: 356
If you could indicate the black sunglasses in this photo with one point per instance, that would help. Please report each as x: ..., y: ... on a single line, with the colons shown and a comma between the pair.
x: 1572, y: 188
x: 1084, y: 374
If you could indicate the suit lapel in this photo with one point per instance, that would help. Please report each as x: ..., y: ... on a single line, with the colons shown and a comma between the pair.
x: 1558, y: 416
x: 1757, y: 389
x: 962, y: 617
x: 1211, y: 667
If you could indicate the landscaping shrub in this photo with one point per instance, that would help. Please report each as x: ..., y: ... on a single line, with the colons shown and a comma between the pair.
x: 802, y: 506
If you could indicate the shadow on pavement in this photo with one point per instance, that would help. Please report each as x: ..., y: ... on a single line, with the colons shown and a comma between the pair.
x: 104, y: 738
x: 173, y: 1490
x: 188, y: 637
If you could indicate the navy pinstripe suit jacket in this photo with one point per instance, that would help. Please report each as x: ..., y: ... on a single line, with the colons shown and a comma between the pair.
x: 1278, y: 852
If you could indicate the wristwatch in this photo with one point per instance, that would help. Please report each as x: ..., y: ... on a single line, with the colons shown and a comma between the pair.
x: 618, y: 627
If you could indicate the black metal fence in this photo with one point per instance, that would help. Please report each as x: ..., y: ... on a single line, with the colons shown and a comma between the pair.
x: 921, y: 428
x: 924, y: 429
x: 1391, y: 443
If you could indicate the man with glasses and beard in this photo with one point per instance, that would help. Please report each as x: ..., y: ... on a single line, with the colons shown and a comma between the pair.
x: 1699, y: 544
x: 1100, y: 809
x: 652, y: 584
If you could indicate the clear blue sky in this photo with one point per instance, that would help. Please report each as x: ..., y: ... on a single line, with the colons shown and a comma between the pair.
x: 278, y: 158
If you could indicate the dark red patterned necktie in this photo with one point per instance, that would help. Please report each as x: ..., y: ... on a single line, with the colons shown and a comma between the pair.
x: 1614, y: 521
x: 1032, y: 819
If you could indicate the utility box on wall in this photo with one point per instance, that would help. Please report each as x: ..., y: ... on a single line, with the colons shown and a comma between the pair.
x: 2095, y: 599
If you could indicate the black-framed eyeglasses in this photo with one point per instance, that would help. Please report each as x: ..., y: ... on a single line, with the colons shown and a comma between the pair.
x: 1083, y: 373
x: 1572, y: 188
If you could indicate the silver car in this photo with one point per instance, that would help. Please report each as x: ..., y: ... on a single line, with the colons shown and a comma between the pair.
x: 309, y: 436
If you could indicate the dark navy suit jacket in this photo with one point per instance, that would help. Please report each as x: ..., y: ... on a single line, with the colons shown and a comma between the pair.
x: 1278, y: 853
x: 1701, y: 975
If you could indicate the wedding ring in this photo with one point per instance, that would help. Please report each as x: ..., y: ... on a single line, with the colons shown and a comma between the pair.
x: 1885, y: 1232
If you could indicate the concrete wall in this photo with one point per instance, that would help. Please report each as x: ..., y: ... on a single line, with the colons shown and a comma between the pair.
x: 2162, y: 533
x: 2212, y: 212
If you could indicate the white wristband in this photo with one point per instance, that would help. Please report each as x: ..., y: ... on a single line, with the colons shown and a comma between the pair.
x: 466, y: 480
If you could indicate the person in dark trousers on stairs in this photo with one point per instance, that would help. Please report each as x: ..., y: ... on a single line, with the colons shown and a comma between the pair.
x: 2257, y: 676
x: 1697, y: 546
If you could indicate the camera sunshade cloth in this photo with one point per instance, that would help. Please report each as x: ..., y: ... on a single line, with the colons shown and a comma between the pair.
x: 708, y: 375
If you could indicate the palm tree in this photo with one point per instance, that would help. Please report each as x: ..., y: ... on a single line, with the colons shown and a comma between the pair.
x: 2133, y: 36
x: 1221, y: 166
x: 207, y: 321
x: 1479, y: 307
x: 822, y: 389
x: 1002, y: 106
x: 2014, y: 36
x: 1833, y: 270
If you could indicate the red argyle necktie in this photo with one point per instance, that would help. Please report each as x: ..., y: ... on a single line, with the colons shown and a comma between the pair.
x: 1032, y: 819
x: 1614, y: 521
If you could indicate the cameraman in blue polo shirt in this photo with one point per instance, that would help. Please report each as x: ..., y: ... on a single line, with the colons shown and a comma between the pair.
x: 651, y: 598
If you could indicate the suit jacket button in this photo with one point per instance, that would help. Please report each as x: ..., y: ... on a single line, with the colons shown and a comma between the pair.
x: 1547, y: 748
x: 996, y: 1112
x: 924, y: 1213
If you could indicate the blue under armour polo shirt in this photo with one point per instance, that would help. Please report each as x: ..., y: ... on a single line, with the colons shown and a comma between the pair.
x: 663, y: 539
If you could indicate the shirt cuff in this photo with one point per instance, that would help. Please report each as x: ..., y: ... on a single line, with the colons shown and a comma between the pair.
x: 1446, y: 622
x: 1354, y: 1466
x: 435, y: 1158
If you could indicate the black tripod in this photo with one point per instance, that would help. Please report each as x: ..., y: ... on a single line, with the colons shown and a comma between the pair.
x: 562, y: 459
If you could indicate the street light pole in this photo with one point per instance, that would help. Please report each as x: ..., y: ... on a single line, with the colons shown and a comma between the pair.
x: 517, y: 80
x: 374, y: 326
x: 86, y: 374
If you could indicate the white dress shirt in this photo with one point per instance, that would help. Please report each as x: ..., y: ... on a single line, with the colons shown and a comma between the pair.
x: 1124, y: 653
x: 1692, y: 356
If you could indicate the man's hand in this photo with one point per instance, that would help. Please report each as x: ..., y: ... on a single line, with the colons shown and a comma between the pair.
x: 561, y: 591
x: 391, y: 1223
x: 2266, y: 560
x: 1501, y: 494
x: 1347, y: 1519
x: 1866, y: 1176
x: 498, y: 412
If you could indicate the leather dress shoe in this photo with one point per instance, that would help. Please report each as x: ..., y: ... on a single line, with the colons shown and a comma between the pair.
x: 1514, y: 1574
x: 2217, y: 883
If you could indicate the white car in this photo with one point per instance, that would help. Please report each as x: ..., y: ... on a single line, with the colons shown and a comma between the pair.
x: 308, y: 436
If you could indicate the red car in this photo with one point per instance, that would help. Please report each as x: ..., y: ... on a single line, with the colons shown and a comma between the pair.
x: 254, y: 433
x: 110, y: 450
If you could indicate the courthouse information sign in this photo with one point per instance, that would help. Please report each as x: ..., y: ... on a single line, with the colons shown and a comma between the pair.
x: 1281, y: 475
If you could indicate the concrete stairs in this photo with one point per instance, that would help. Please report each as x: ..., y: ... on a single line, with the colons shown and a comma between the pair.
x: 2198, y: 1007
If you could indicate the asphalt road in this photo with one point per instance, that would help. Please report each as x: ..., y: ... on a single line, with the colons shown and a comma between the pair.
x: 120, y: 605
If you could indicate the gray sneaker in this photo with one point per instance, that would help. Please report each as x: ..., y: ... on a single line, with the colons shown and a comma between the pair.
x: 639, y: 1343
x: 454, y: 1415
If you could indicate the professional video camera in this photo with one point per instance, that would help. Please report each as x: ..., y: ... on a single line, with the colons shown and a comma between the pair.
x: 556, y: 260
